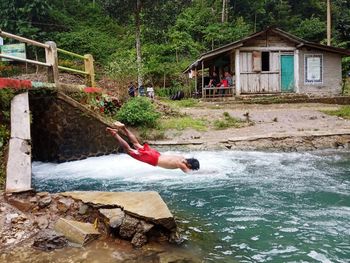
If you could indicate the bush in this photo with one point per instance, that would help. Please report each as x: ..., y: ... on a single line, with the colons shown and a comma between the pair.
x: 4, y: 136
x: 6, y: 96
x: 7, y: 70
x: 2, y: 170
x: 138, y: 111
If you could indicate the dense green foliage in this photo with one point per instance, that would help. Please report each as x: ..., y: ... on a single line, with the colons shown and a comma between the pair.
x: 173, y: 33
x: 138, y: 111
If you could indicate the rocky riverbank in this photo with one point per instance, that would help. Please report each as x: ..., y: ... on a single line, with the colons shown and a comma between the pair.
x: 42, y: 225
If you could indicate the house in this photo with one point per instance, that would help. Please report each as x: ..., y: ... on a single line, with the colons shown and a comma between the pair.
x: 271, y: 62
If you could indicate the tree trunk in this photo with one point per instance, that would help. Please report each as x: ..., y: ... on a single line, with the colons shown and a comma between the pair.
x: 224, y: 11
x: 329, y: 22
x: 164, y: 81
x: 138, y: 43
x: 255, y: 22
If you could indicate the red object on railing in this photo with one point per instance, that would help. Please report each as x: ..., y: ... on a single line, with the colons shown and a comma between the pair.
x: 15, y: 84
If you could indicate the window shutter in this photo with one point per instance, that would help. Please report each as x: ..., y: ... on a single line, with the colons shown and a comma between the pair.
x: 256, y: 61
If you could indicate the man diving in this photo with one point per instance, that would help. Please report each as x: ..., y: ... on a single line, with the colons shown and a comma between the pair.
x: 146, y: 154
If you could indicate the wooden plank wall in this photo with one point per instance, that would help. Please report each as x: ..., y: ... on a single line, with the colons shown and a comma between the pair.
x: 259, y: 82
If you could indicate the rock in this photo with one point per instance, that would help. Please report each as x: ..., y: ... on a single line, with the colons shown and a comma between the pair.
x: 42, y: 194
x: 76, y: 232
x: 20, y: 219
x: 177, y: 258
x: 338, y: 144
x: 175, y: 238
x: 114, y: 216
x: 139, y: 240
x: 10, y: 241
x: 2, y: 209
x: 11, y: 218
x: 145, y: 205
x: 63, y: 204
x: 19, y: 235
x: 143, y: 227
x: 48, y: 240
x: 45, y: 201
x: 22, y: 204
x: 34, y: 199
x: 42, y: 222
x: 83, y: 209
x: 128, y: 227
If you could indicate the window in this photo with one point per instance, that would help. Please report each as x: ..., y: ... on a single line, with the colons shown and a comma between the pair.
x: 265, y: 61
x: 313, y: 69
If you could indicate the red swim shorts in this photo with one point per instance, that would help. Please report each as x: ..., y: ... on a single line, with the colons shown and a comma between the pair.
x: 146, y: 154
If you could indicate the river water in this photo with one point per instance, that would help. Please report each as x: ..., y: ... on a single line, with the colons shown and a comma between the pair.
x: 241, y: 206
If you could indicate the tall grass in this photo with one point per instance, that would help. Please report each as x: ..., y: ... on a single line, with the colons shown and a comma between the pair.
x: 343, y: 112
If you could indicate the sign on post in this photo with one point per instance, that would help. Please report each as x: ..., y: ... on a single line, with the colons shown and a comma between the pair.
x: 1, y: 41
x: 15, y: 50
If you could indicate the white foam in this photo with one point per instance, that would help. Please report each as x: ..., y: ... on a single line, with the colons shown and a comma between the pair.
x: 289, y: 230
x: 319, y: 257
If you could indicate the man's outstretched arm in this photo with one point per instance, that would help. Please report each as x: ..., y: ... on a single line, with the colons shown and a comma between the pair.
x: 120, y: 140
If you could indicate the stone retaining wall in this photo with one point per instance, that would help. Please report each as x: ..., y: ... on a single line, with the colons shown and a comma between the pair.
x: 64, y: 130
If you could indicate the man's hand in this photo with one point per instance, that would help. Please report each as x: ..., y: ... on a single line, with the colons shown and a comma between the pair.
x: 184, y: 168
x: 111, y: 131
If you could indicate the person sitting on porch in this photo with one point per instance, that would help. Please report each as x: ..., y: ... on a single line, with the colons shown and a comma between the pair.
x: 214, y: 80
x: 229, y: 79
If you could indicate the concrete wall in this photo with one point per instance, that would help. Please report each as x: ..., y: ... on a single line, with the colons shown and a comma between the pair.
x: 64, y: 130
x: 19, y: 169
x: 332, y: 76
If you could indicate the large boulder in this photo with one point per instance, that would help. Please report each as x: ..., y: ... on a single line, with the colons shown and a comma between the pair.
x: 148, y: 206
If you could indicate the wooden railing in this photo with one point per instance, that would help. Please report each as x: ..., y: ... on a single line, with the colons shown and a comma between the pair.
x: 51, y: 59
x: 216, y: 92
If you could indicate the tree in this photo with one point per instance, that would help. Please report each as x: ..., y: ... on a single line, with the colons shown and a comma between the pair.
x: 25, y: 18
x: 312, y: 29
x: 121, y: 10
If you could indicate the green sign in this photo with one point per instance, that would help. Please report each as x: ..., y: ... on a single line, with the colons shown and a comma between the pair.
x: 15, y: 50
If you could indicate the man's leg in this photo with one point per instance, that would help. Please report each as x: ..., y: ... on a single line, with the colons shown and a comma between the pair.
x: 120, y: 140
x: 128, y: 133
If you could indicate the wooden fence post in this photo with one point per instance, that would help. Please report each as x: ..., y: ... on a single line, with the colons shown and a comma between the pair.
x: 89, y: 68
x: 52, y: 59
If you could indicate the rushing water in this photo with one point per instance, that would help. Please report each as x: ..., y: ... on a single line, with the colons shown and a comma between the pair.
x: 241, y: 206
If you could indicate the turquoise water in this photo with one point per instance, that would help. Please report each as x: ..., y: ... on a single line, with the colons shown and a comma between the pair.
x: 241, y: 206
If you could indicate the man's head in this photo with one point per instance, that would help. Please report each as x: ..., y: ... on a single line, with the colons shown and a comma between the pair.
x: 192, y: 163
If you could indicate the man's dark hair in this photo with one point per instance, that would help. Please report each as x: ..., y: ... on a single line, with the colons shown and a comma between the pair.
x: 193, y: 163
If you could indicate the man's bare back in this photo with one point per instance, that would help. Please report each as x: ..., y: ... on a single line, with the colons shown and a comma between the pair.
x: 173, y: 162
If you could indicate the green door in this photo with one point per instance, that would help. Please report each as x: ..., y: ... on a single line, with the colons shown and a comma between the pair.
x: 287, y: 73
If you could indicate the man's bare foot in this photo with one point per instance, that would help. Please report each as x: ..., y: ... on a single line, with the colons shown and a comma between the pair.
x: 119, y: 125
